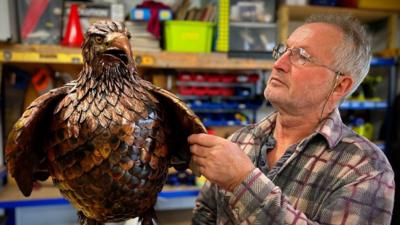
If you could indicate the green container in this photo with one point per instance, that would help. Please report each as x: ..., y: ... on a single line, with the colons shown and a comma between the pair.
x: 188, y: 36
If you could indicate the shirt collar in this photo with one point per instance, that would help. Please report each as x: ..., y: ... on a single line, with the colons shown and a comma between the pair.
x: 331, y: 128
x: 264, y: 127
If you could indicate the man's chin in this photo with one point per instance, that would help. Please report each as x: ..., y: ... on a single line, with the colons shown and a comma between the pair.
x: 274, y: 101
x: 278, y: 101
x: 273, y: 97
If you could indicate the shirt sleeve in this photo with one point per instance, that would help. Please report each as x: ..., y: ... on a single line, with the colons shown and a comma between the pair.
x: 206, y: 206
x: 367, y: 200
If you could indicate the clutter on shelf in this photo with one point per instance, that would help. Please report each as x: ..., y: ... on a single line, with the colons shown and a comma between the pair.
x: 252, y: 28
x: 40, y: 21
x: 220, y: 99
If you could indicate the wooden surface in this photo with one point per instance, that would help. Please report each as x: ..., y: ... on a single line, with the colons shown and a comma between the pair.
x: 288, y: 13
x: 53, y: 54
x: 46, y: 190
x: 11, y: 193
x: 365, y: 15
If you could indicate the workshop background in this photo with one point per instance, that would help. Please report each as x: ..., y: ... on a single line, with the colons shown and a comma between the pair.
x: 214, y: 54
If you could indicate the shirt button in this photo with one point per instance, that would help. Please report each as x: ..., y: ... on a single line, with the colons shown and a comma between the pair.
x: 236, y: 213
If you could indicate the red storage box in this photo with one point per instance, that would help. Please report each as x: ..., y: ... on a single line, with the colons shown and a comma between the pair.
x: 186, y: 90
x: 185, y: 77
x: 253, y: 78
x: 200, y: 91
x: 199, y: 77
x: 227, y: 91
x: 228, y: 78
x: 214, y: 78
x: 214, y: 91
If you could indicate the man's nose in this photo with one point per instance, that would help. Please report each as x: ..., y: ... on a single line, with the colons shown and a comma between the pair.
x: 283, y: 62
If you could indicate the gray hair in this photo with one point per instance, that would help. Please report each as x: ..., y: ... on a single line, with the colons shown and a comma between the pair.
x: 353, y: 55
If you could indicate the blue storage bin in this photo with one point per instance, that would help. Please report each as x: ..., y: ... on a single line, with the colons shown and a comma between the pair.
x: 323, y: 2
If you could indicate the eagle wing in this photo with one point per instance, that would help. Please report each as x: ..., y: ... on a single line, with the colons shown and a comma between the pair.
x: 182, y: 122
x: 25, y: 154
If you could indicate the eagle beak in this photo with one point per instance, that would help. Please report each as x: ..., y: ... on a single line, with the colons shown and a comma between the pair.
x: 118, y: 45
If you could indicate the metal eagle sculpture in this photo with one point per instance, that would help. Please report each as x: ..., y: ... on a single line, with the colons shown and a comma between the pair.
x: 107, y: 138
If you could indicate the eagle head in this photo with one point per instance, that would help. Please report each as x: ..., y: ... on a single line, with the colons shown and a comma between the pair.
x: 107, y: 44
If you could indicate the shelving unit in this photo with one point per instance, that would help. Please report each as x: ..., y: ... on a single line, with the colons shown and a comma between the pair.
x: 288, y: 13
x: 381, y: 107
x: 3, y: 175
x: 49, y: 54
x: 215, y: 84
x: 364, y: 105
x: 221, y: 99
x: 253, y: 24
x: 392, y: 85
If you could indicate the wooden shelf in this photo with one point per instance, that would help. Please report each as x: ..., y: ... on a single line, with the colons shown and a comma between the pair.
x: 287, y: 13
x: 164, y: 60
x: 47, y: 194
x: 10, y: 194
x: 297, y: 12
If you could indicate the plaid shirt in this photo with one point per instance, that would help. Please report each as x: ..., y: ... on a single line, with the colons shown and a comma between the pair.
x: 333, y: 176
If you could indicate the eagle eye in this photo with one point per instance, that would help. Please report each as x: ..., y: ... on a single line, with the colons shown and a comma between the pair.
x: 99, y: 39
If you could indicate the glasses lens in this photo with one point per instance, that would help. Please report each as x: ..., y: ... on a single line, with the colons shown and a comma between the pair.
x: 295, y: 57
x: 278, y: 51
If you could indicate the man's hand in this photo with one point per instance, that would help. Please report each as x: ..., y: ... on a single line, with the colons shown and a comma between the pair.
x: 219, y: 160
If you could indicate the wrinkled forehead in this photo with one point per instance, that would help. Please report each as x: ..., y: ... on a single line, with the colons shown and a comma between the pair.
x: 316, y: 34
x: 318, y: 39
x: 104, y: 27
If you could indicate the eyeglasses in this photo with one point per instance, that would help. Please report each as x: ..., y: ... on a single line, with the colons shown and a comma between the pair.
x: 297, y: 56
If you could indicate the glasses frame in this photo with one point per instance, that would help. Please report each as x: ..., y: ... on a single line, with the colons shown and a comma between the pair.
x: 301, y: 54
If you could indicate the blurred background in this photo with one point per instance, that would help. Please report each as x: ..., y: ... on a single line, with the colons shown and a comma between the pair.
x: 214, y: 54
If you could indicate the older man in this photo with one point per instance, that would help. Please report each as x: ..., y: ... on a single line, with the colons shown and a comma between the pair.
x: 301, y: 164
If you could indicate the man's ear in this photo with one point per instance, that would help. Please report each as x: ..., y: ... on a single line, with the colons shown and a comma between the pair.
x: 343, y: 86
